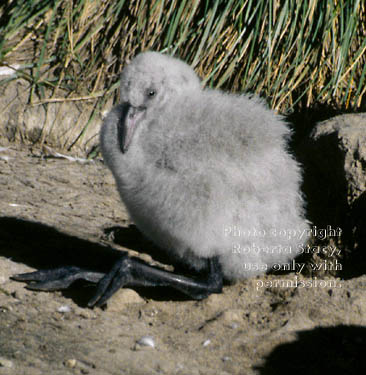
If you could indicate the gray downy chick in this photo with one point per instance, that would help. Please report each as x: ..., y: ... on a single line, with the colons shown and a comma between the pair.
x: 204, y: 174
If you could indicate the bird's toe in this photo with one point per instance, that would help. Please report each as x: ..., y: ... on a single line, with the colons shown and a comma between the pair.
x: 111, y: 282
x: 56, y: 279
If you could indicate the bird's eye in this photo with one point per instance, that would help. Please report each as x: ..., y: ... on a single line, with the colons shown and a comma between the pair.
x: 151, y: 93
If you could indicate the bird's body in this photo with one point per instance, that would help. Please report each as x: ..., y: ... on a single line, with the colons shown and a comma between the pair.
x: 204, y: 174
x: 207, y: 174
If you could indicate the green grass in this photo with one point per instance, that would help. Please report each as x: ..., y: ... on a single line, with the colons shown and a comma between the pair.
x: 297, y: 54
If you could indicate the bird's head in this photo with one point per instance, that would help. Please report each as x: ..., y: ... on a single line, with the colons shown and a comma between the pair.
x: 148, y: 82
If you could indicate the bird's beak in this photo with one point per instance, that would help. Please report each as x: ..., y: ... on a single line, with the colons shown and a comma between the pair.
x: 133, y: 117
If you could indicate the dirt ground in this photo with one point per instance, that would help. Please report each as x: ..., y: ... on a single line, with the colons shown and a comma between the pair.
x: 55, y: 212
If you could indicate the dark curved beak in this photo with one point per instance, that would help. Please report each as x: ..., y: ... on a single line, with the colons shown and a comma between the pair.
x: 127, y: 127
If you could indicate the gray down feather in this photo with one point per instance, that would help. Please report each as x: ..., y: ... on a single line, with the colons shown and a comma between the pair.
x: 204, y: 173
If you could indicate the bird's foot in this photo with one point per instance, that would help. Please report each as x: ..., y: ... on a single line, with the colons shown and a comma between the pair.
x: 57, y: 279
x: 125, y: 272
x: 131, y: 272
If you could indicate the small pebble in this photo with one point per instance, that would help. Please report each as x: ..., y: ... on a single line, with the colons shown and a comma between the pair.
x: 6, y: 363
x: 70, y: 363
x: 146, y: 341
x: 87, y: 314
x: 206, y: 342
x: 123, y: 298
x: 64, y: 309
x: 4, y: 309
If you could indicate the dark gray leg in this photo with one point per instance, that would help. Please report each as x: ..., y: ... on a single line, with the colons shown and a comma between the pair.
x: 126, y: 272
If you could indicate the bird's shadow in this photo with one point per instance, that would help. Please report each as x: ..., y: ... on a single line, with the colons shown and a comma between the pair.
x: 43, y: 247
x: 323, y: 350
x: 131, y: 238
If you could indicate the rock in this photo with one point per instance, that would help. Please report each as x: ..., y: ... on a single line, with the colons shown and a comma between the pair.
x: 349, y: 132
x: 232, y: 317
x: 70, y: 363
x: 334, y: 160
x: 123, y: 298
x: 146, y: 341
x: 215, y: 301
x: 299, y: 322
x: 6, y: 363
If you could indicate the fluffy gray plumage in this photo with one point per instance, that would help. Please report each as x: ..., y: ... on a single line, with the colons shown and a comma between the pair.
x: 203, y: 173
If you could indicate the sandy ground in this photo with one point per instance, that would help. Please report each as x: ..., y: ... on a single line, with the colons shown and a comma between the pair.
x: 56, y: 212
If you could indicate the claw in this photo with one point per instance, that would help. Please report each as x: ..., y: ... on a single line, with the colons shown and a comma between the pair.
x: 43, y: 275
x: 56, y: 279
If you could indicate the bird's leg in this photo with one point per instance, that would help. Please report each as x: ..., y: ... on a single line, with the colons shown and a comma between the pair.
x: 129, y: 272
x: 126, y: 272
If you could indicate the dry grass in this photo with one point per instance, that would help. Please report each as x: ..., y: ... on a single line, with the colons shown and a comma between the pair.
x: 295, y: 53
